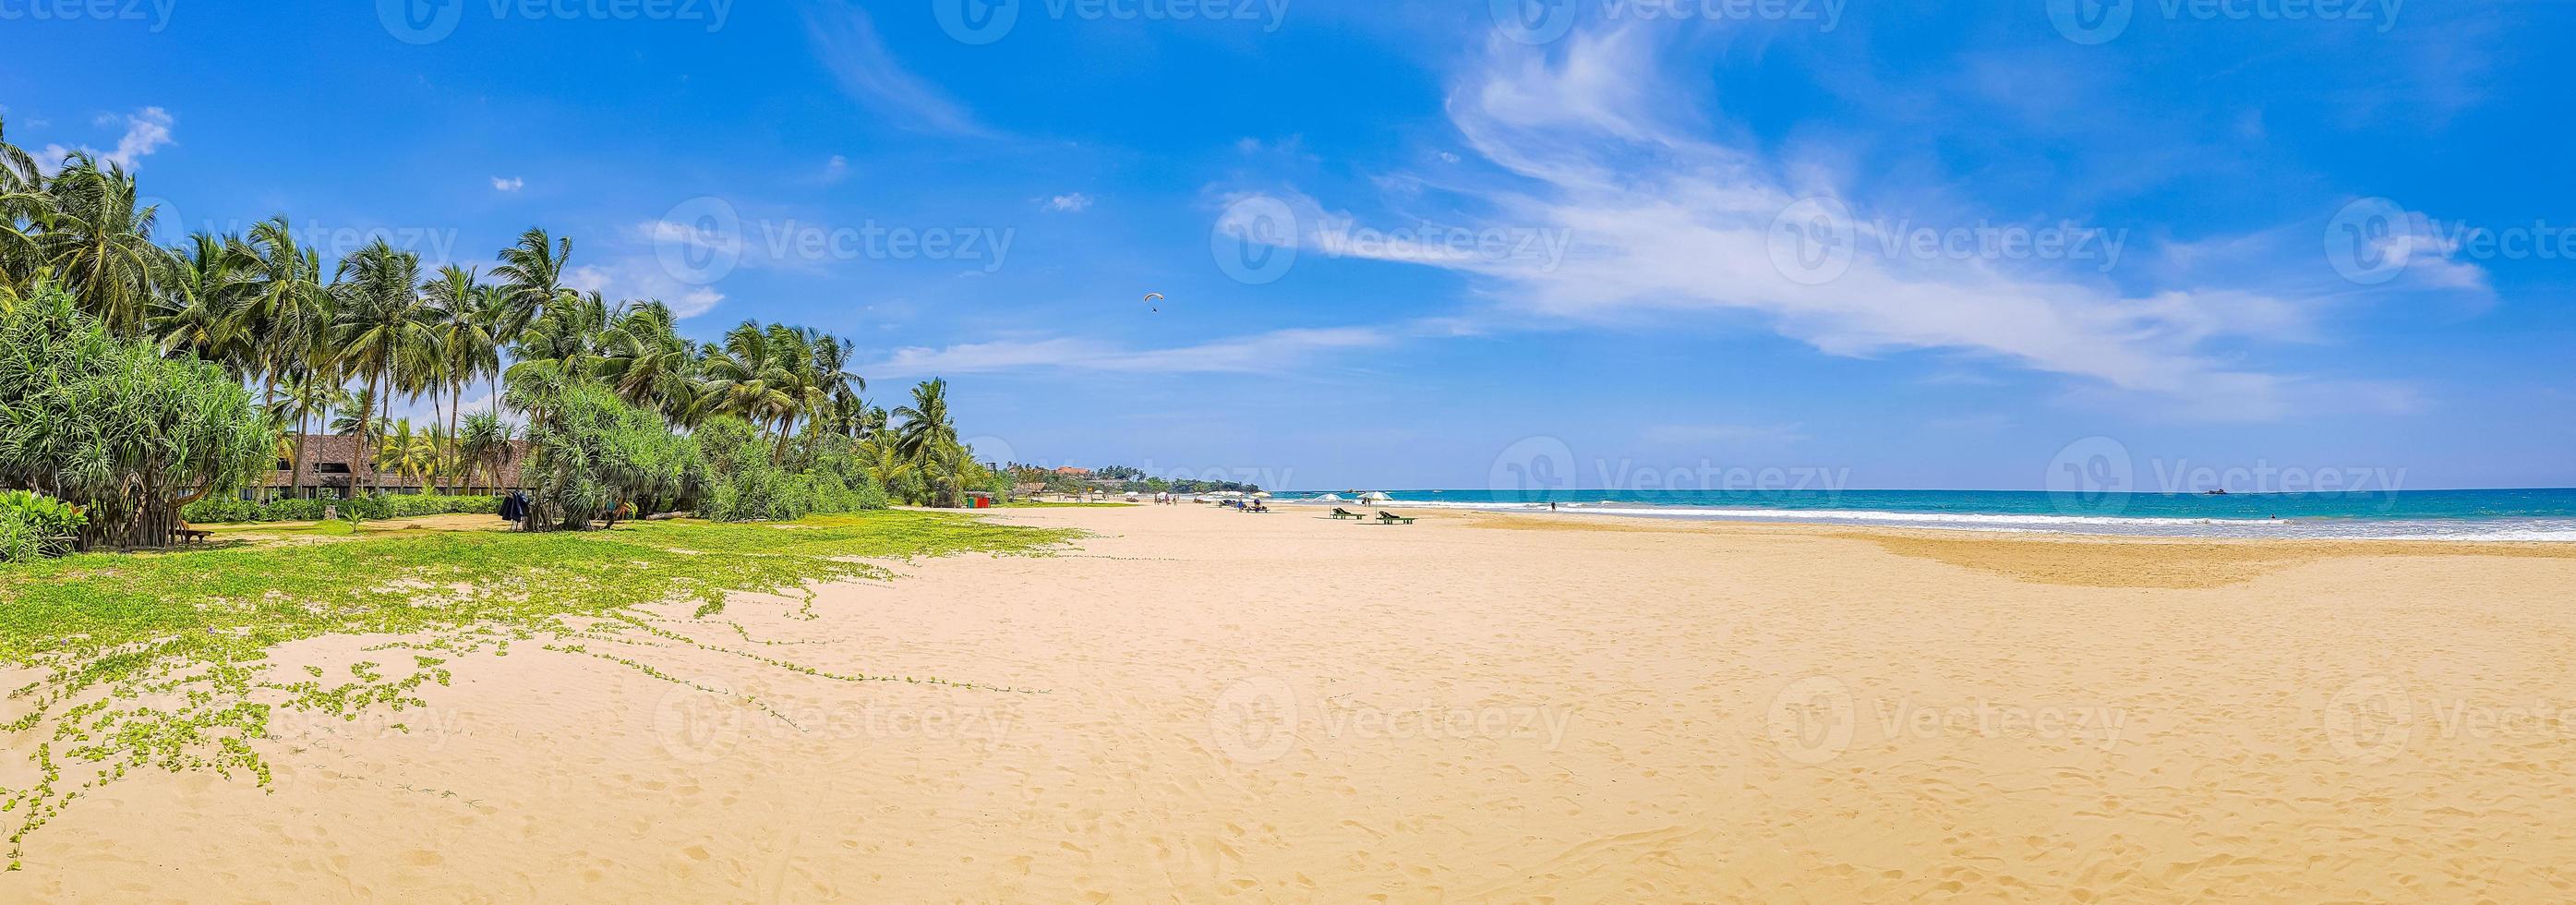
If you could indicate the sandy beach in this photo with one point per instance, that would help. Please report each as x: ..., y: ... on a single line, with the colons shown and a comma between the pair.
x: 1195, y: 705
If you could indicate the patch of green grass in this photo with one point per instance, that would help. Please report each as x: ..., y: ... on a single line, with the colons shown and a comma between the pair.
x: 196, y: 627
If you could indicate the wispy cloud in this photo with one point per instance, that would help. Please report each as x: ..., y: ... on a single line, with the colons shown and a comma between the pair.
x: 636, y: 278
x: 1273, y: 352
x: 510, y: 184
x: 1666, y: 223
x: 146, y: 130
x: 1069, y: 203
x: 846, y: 40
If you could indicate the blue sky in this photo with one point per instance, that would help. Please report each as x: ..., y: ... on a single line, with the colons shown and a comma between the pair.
x: 1403, y: 245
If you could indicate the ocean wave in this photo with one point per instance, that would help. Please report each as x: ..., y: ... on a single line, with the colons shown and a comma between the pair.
x: 2542, y: 530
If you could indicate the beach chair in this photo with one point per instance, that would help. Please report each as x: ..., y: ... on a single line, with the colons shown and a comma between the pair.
x: 1341, y: 513
x: 1388, y: 518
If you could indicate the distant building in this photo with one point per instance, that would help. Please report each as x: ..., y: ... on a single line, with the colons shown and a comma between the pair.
x: 1072, y: 472
x: 336, y: 463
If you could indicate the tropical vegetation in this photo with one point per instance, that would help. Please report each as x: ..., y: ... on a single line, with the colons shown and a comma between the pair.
x: 596, y: 407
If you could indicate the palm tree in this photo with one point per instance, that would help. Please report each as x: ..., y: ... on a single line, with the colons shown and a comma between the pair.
x: 285, y: 313
x: 457, y: 302
x: 485, y: 445
x: 404, y: 451
x: 928, y: 438
x: 24, y: 209
x: 305, y: 396
x: 531, y: 275
x: 382, y: 330
x: 195, y: 314
x: 644, y: 359
x: 100, y: 244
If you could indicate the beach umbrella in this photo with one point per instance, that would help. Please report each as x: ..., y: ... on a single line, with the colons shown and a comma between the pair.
x: 1329, y: 498
x: 1374, y: 497
x: 1262, y: 495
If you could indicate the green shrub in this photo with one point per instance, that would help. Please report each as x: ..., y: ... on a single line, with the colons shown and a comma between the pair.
x: 234, y: 511
x: 34, y: 526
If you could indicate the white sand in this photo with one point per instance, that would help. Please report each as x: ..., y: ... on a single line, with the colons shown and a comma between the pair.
x: 1286, y: 708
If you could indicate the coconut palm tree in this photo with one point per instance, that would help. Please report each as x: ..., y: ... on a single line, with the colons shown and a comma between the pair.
x: 408, y: 452
x: 457, y: 303
x: 485, y: 445
x: 196, y: 311
x: 286, y: 310
x: 382, y: 331
x: 644, y: 359
x: 928, y: 439
x: 303, y: 397
x: 99, y: 242
x: 530, y: 279
x: 24, y: 207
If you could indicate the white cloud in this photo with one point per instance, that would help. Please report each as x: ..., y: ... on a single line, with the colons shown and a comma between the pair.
x: 836, y: 169
x: 640, y: 278
x: 1069, y: 203
x: 146, y: 131
x: 846, y: 41
x: 1666, y: 224
x: 511, y: 184
x: 1273, y: 352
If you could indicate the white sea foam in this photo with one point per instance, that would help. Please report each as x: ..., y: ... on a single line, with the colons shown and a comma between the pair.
x: 2495, y: 530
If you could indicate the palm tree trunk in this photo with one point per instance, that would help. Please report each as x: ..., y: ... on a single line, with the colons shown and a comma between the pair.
x: 456, y: 398
x: 366, y: 424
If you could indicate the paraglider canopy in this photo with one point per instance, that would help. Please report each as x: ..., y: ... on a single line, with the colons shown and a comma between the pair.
x: 1151, y: 298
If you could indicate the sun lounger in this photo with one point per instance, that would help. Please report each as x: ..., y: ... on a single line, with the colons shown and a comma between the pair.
x: 1341, y: 513
x: 1388, y: 518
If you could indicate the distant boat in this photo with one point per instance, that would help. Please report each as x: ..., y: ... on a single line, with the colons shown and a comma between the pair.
x: 2213, y: 493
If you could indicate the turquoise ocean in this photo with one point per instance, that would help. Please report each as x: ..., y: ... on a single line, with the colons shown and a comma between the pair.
x: 2494, y: 515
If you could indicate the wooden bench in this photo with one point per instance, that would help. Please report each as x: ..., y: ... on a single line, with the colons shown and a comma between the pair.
x: 188, y: 534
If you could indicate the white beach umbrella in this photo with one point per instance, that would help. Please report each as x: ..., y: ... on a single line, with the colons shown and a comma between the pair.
x: 1329, y: 498
x: 1374, y: 497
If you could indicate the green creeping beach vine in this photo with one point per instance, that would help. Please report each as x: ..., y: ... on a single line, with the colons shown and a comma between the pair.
x: 160, y: 661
